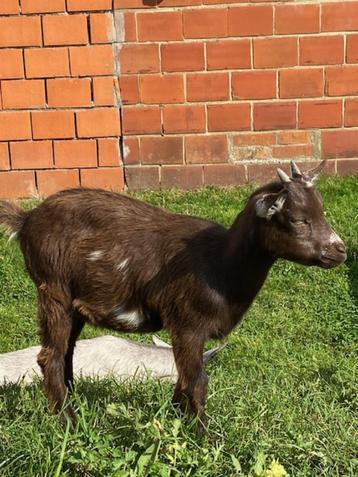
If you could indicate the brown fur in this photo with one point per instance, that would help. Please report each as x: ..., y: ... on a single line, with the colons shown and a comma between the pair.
x: 95, y: 255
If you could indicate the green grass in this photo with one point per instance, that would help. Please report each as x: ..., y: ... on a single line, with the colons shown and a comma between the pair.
x: 285, y: 388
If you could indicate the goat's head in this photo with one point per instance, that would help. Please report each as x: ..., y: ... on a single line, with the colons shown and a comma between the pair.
x: 292, y: 223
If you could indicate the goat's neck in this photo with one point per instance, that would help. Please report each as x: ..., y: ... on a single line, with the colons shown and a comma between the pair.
x: 247, y: 263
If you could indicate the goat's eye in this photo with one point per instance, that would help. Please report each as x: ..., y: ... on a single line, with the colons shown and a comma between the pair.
x: 299, y: 221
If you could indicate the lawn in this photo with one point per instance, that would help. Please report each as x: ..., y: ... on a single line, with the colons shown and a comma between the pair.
x: 285, y: 388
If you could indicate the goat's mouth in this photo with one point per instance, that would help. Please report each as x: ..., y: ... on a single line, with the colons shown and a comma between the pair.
x: 331, y: 261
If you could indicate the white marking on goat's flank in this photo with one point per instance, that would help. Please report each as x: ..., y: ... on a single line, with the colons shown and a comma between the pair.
x: 121, y: 266
x: 93, y: 256
x: 132, y: 318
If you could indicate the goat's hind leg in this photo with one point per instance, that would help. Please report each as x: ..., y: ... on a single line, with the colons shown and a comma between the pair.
x: 77, y: 324
x: 55, y: 327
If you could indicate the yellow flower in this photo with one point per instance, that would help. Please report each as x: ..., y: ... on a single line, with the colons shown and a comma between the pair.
x: 158, y: 425
x: 275, y: 470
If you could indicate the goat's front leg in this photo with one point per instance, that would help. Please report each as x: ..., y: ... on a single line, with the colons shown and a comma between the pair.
x: 192, y: 385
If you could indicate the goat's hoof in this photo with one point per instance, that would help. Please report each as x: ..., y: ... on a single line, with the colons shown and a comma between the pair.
x: 70, y: 415
x: 201, y: 427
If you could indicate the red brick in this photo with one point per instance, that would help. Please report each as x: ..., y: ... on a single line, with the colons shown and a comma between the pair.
x: 293, y: 137
x: 65, y: 30
x: 98, y: 122
x: 352, y: 49
x: 229, y: 117
x: 297, y: 19
x: 131, y: 4
x: 91, y: 60
x: 228, y: 54
x: 205, y: 23
x: 263, y: 173
x: 142, y: 178
x: 292, y: 151
x: 251, y: 153
x: 12, y: 65
x: 224, y: 175
x: 142, y: 120
x: 321, y: 50
x: 183, y: 177
x: 8, y: 7
x: 77, y: 153
x: 301, y: 83
x: 274, y: 116
x: 129, y: 89
x: 31, y: 155
x: 254, y: 84
x: 20, y: 31
x: 17, y: 184
x: 184, y: 119
x: 105, y: 91
x: 254, y: 139
x: 207, y: 87
x: 108, y: 152
x: 102, y: 28
x: 339, y: 144
x: 111, y: 178
x: 183, y: 57
x: 347, y: 168
x: 139, y: 59
x: 156, y: 89
x: 215, y: 2
x: 130, y: 27
x: 46, y: 62
x: 131, y: 150
x: 160, y: 26
x: 275, y: 52
x: 206, y: 149
x: 179, y: 3
x: 342, y: 80
x: 4, y: 156
x: 351, y: 112
x: 49, y: 182
x: 15, y: 125
x: 53, y: 124
x: 62, y: 93
x: 250, y: 20
x: 88, y: 5
x: 340, y: 16
x: 23, y: 94
x: 161, y: 150
x: 320, y: 114
x: 43, y: 6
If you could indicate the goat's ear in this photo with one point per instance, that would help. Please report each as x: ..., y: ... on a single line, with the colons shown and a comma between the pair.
x: 270, y: 204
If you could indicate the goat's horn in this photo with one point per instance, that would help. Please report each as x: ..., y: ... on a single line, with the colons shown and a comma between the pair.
x: 283, y: 176
x: 296, y: 173
x: 314, y: 173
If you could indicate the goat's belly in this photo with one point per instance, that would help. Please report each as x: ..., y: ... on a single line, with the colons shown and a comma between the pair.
x: 121, y: 318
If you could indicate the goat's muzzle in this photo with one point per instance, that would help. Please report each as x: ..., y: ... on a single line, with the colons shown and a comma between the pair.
x: 334, y: 254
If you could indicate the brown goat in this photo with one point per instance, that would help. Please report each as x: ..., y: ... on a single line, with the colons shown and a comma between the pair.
x: 113, y: 261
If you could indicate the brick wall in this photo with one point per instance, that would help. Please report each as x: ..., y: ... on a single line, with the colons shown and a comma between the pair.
x: 209, y: 91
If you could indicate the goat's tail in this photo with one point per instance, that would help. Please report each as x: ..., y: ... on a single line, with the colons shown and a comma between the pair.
x: 12, y: 218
